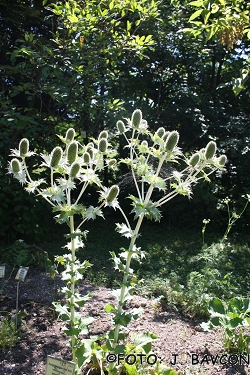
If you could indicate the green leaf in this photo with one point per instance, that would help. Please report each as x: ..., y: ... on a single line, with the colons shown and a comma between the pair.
x: 206, y: 17
x: 211, y: 32
x: 235, y: 305
x: 149, y: 209
x: 216, y: 307
x: 142, y: 340
x: 73, y: 18
x: 81, y: 300
x: 247, y: 320
x: 216, y: 321
x: 109, y: 308
x: 92, y: 212
x: 196, y: 14
x: 235, y: 322
x: 124, y: 319
x: 62, y: 311
x: 119, y: 349
x: 84, y: 352
x: 197, y: 3
x: 124, y: 230
x: 246, y: 304
x: 165, y: 370
x: 155, y: 181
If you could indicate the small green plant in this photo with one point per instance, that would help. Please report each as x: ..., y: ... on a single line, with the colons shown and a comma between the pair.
x: 22, y: 254
x: 8, y: 333
x: 233, y: 216
x: 17, y: 254
x: 233, y: 317
x: 205, y: 222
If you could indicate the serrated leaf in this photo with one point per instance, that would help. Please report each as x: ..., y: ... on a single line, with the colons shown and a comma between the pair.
x: 141, y: 340
x: 149, y: 210
x: 91, y: 177
x: 62, y: 311
x: 124, y: 319
x: 155, y: 181
x: 124, y: 230
x: 81, y: 300
x: 92, y: 212
x: 84, y: 352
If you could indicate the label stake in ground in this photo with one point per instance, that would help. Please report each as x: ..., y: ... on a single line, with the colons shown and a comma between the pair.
x: 21, y: 273
x: 2, y: 272
x: 57, y: 366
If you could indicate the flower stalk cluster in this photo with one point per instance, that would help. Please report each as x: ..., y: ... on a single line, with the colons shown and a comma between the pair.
x: 148, y: 158
x: 69, y: 167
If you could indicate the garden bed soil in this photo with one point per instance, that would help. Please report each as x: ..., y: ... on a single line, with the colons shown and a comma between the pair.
x: 179, y: 337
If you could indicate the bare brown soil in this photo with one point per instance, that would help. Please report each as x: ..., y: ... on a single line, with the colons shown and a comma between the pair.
x: 41, y: 331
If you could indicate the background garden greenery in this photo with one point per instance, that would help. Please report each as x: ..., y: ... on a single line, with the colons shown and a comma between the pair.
x: 85, y: 64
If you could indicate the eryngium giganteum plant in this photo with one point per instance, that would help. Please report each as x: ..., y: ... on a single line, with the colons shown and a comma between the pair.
x: 70, y: 166
x: 148, y: 157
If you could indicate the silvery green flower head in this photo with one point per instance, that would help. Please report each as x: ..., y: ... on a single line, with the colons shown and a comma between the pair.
x: 16, y: 168
x: 19, y: 153
x: 55, y: 158
x: 109, y: 195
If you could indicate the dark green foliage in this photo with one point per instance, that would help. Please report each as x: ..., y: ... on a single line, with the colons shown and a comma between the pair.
x: 20, y: 214
x: 177, y: 265
x: 177, y: 83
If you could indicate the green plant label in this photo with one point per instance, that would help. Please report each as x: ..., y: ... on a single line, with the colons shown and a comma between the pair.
x: 2, y: 272
x: 21, y: 274
x: 56, y: 366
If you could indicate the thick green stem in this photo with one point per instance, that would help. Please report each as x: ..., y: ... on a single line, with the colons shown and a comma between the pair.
x: 129, y: 257
x: 72, y: 280
x: 125, y: 280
